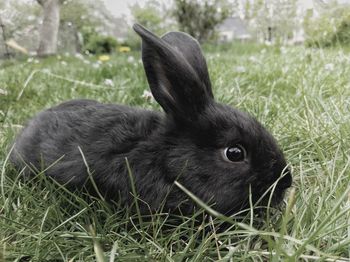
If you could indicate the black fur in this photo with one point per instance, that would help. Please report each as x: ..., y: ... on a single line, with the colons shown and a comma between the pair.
x: 185, y: 144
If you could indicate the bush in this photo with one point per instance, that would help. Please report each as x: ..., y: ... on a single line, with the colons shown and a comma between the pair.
x: 208, y: 15
x: 342, y: 35
x: 97, y: 44
x: 331, y: 29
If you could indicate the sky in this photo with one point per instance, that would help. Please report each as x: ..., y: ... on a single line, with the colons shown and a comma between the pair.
x: 121, y: 7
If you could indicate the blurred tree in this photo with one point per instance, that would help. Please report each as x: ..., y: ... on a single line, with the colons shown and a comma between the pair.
x: 274, y: 20
x: 285, y: 20
x: 331, y: 27
x: 79, y: 19
x: 49, y: 27
x: 12, y: 16
x: 18, y: 26
x: 247, y: 10
x: 150, y: 16
x: 3, y: 34
x: 89, y: 21
x: 201, y: 18
x: 342, y: 33
x: 154, y: 16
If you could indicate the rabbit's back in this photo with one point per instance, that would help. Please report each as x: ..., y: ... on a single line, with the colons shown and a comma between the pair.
x: 58, y: 139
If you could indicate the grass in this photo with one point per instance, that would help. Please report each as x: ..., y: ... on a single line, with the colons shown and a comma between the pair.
x: 301, y: 95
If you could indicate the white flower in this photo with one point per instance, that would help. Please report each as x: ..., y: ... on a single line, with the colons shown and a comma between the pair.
x: 131, y: 59
x: 285, y: 69
x: 253, y: 59
x: 108, y: 82
x: 283, y: 50
x: 329, y: 67
x: 31, y: 18
x: 3, y: 92
x: 240, y: 69
x: 64, y: 63
x: 96, y: 65
x: 79, y: 56
x: 147, y: 95
x: 210, y: 57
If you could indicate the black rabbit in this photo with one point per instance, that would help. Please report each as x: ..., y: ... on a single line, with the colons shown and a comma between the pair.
x: 218, y: 153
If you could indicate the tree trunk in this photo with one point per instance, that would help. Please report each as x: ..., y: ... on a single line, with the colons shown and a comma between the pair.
x: 7, y: 52
x: 49, y: 27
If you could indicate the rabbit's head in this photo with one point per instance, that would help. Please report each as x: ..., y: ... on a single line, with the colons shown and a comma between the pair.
x: 222, y: 155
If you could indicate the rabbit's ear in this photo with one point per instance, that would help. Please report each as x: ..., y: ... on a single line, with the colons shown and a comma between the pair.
x: 176, y: 72
x: 191, y: 50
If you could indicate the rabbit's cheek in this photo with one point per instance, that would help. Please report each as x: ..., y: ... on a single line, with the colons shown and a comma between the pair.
x: 285, y: 182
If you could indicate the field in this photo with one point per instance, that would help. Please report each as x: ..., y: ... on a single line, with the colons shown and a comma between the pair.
x: 301, y: 95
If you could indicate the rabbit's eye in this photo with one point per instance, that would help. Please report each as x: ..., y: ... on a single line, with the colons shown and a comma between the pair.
x: 235, y: 153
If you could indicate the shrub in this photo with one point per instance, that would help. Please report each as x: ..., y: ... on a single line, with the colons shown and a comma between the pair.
x: 342, y: 35
x: 208, y: 15
x: 331, y: 29
x: 98, y: 44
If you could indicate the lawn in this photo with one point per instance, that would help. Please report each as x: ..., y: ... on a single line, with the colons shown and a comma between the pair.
x: 301, y: 95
